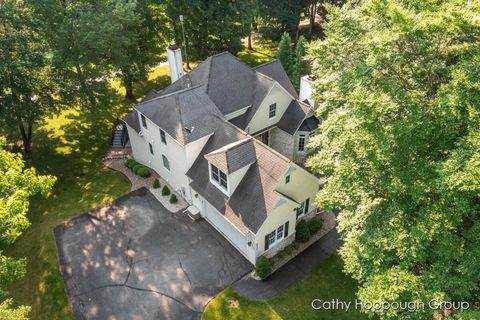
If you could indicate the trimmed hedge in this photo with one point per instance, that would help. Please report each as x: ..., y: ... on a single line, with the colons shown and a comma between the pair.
x: 143, y: 172
x: 173, y: 198
x: 302, y: 231
x: 263, y: 267
x: 314, y: 225
x: 129, y: 163
x: 136, y: 167
x: 165, y: 191
x: 156, y: 184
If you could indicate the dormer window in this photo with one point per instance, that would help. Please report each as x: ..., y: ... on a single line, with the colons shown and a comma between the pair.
x: 272, y: 111
x: 287, y: 179
x: 218, y: 176
x: 144, y: 121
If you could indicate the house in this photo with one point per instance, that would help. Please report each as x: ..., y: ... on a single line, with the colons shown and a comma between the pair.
x: 230, y: 139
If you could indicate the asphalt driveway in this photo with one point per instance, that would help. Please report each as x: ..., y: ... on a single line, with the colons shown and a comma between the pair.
x: 132, y: 259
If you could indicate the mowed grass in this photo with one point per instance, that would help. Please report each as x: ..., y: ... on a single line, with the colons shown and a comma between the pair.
x: 71, y: 146
x: 325, y: 282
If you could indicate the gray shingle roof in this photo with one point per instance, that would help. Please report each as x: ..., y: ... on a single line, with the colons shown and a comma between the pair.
x: 255, y: 195
x: 184, y: 115
x: 275, y: 70
x: 309, y: 124
x: 293, y: 116
x: 233, y: 156
x: 132, y: 120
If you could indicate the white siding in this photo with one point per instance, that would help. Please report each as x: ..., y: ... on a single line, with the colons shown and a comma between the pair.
x: 193, y: 149
x: 260, y: 120
x: 235, y: 178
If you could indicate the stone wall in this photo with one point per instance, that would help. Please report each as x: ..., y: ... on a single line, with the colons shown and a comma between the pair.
x: 273, y: 251
x: 282, y: 142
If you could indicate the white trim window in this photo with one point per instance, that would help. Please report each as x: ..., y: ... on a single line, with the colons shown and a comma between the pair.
x: 303, y: 209
x: 218, y: 176
x: 272, y: 111
x: 166, y: 163
x: 276, y: 236
x: 163, y: 138
x: 150, y: 146
x: 302, y: 141
x: 144, y: 121
x: 287, y: 179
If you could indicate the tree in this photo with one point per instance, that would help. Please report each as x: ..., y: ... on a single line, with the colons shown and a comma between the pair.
x: 17, y: 185
x: 300, y: 65
x: 144, y: 41
x: 397, y: 89
x: 25, y: 83
x: 285, y: 14
x: 210, y: 26
x: 285, y: 54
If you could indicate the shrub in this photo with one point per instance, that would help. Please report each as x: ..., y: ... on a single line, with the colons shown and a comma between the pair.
x: 143, y: 172
x: 314, y: 225
x: 285, y: 251
x: 165, y: 191
x: 132, y: 164
x: 129, y: 162
x: 173, y: 198
x: 263, y: 267
x: 302, y: 231
x: 136, y: 167
x: 156, y: 183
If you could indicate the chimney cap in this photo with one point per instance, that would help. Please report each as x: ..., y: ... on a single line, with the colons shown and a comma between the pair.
x: 173, y: 46
x: 311, y: 77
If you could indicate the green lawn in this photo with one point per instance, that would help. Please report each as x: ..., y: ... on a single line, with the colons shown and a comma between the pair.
x: 325, y: 282
x: 71, y: 147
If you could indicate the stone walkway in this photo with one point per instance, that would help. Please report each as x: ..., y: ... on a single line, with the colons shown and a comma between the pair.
x: 139, y: 182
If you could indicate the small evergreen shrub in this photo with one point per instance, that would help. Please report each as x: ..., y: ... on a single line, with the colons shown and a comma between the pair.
x: 314, y: 225
x: 302, y: 231
x: 173, y: 198
x: 165, y: 191
x: 132, y: 164
x: 156, y: 184
x: 136, y: 167
x: 263, y: 267
x: 129, y: 162
x: 143, y: 172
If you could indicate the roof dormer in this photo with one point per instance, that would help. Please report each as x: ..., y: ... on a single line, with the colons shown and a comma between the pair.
x: 228, y: 165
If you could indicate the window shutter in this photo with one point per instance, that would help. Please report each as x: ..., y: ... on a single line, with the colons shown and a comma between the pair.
x: 266, y: 242
x: 285, y: 232
x: 307, y: 202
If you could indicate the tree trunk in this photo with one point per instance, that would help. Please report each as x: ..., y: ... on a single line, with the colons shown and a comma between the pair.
x: 313, y: 13
x: 250, y: 36
x: 297, y: 33
x: 26, y: 135
x: 129, y: 88
x: 83, y: 86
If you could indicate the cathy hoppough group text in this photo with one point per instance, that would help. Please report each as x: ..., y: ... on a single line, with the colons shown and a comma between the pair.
x: 410, y: 306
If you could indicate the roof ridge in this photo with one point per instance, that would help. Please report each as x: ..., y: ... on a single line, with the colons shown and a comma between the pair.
x: 230, y: 146
x: 266, y: 63
x: 169, y: 94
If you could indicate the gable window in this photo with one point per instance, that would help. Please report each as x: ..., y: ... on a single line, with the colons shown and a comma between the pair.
x: 272, y: 111
x: 301, y: 142
x: 162, y: 137
x: 166, y: 164
x: 218, y: 176
x: 144, y: 121
x: 287, y: 179
x: 303, y: 209
x: 276, y: 236
x: 151, y: 148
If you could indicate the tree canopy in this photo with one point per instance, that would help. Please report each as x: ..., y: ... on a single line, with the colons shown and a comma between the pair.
x: 17, y: 185
x: 398, y: 91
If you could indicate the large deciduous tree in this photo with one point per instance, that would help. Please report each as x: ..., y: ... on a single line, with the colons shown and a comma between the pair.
x: 398, y: 91
x: 25, y: 84
x: 211, y: 26
x: 17, y: 185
